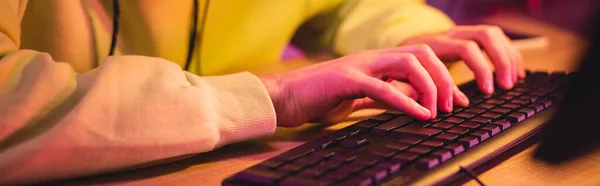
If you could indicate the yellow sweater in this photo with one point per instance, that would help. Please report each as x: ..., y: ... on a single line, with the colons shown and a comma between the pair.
x: 58, y: 108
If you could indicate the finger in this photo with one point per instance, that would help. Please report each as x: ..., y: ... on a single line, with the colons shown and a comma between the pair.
x: 439, y: 73
x: 520, y: 69
x: 489, y: 38
x: 406, y: 66
x: 512, y: 53
x: 385, y: 93
x: 460, y: 97
x: 473, y: 57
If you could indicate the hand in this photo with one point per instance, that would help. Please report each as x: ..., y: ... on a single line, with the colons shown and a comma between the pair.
x: 464, y: 41
x: 311, y: 92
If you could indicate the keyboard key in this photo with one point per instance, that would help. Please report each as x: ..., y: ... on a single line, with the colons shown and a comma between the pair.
x: 410, y: 141
x: 501, y: 110
x: 442, y: 125
x: 405, y: 156
x: 311, y: 173
x: 446, y: 137
x: 458, y: 130
x: 465, y: 115
x: 514, y: 93
x: 350, y: 169
x: 391, y: 167
x: 398, y: 146
x: 455, y: 120
x: 506, y: 97
x: 300, y: 181
x: 291, y: 168
x: 383, y: 153
x: 475, y: 110
x: 378, y: 174
x: 528, y: 98
x: 547, y: 103
x: 360, y: 180
x: 442, y: 154
x: 520, y: 101
x: 470, y: 125
x: 366, y: 161
x: 329, y: 165
x: 295, y: 154
x: 334, y: 177
x: 420, y: 149
x: 537, y: 93
x: 433, y: 143
x: 516, y: 117
x: 444, y: 114
x: 272, y: 163
x: 503, y: 124
x: 383, y: 117
x: 481, y: 134
x: 323, y: 155
x: 486, y: 106
x: 455, y: 148
x: 367, y: 124
x: 422, y: 133
x: 510, y: 106
x: 481, y: 120
x: 536, y: 107
x: 492, y: 129
x: 492, y: 115
x: 259, y: 176
x: 493, y: 102
x: 344, y: 158
x: 391, y: 125
x: 527, y: 111
x: 457, y: 109
x: 469, y: 141
x: 428, y: 162
x: 354, y: 142
x: 308, y: 161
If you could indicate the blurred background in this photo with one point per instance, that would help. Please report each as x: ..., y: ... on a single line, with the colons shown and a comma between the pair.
x: 572, y: 15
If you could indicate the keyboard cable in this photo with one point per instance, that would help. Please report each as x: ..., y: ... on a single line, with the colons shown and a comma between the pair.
x: 471, y: 174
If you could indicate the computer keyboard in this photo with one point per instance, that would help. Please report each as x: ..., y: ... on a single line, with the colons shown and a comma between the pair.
x: 394, y: 148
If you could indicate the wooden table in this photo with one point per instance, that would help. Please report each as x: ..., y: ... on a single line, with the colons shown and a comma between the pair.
x: 212, y: 167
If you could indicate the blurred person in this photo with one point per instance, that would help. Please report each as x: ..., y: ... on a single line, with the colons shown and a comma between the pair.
x: 64, y: 103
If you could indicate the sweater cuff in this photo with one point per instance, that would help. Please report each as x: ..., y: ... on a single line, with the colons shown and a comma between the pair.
x: 243, y: 107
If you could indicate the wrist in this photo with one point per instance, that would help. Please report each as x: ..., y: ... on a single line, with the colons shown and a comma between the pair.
x: 272, y: 85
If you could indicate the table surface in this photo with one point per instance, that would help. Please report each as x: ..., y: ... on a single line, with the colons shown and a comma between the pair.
x: 212, y: 167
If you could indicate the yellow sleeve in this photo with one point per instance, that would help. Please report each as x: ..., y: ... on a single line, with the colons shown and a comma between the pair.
x: 375, y: 24
x: 132, y: 111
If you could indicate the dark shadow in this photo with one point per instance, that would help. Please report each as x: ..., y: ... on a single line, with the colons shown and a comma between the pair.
x: 154, y: 169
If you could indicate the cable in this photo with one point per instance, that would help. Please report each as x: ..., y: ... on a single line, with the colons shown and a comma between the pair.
x: 115, y: 31
x: 471, y: 174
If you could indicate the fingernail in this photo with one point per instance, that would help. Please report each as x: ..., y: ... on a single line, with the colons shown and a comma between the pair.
x: 462, y: 95
x: 509, y: 82
x: 425, y: 112
x: 449, y: 105
x: 489, y: 86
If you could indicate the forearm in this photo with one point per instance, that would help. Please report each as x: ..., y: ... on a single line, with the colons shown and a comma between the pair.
x: 129, y: 112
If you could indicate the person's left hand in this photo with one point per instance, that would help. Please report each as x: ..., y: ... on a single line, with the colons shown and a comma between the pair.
x: 463, y: 42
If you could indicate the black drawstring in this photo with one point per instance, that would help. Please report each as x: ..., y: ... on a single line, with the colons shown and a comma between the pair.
x: 115, y: 31
x: 471, y: 174
x: 191, y: 40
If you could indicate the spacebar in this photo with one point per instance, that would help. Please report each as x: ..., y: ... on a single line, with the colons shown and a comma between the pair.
x: 414, y: 130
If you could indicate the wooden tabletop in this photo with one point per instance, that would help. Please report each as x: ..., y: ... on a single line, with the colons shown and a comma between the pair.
x: 212, y: 167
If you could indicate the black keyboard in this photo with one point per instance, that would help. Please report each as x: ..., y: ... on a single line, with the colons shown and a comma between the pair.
x: 395, y: 149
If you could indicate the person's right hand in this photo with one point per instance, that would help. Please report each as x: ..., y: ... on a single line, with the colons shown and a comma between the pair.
x: 309, y: 93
